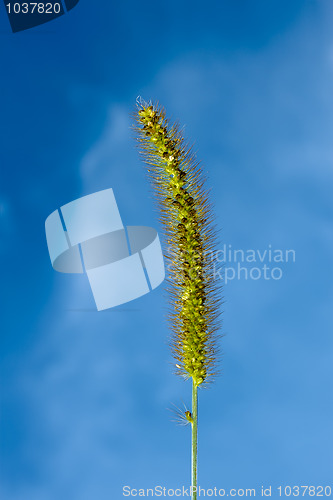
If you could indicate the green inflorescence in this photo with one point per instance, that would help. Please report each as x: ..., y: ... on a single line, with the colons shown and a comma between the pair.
x: 187, y: 222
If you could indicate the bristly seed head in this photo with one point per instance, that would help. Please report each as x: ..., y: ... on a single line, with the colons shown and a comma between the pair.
x: 187, y: 222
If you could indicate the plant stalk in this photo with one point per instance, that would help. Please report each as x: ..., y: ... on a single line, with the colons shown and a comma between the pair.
x: 194, y: 439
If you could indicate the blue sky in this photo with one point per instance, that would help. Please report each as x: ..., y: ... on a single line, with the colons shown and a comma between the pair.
x: 84, y: 393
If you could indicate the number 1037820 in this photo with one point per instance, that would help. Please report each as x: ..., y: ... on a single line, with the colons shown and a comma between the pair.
x: 304, y: 491
x: 33, y: 8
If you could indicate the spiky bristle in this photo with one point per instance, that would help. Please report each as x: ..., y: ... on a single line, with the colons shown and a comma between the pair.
x: 187, y: 223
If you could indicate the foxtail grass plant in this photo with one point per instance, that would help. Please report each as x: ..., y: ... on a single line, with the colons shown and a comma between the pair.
x: 187, y: 222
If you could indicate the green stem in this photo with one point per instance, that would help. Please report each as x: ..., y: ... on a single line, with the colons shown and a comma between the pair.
x: 194, y: 440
